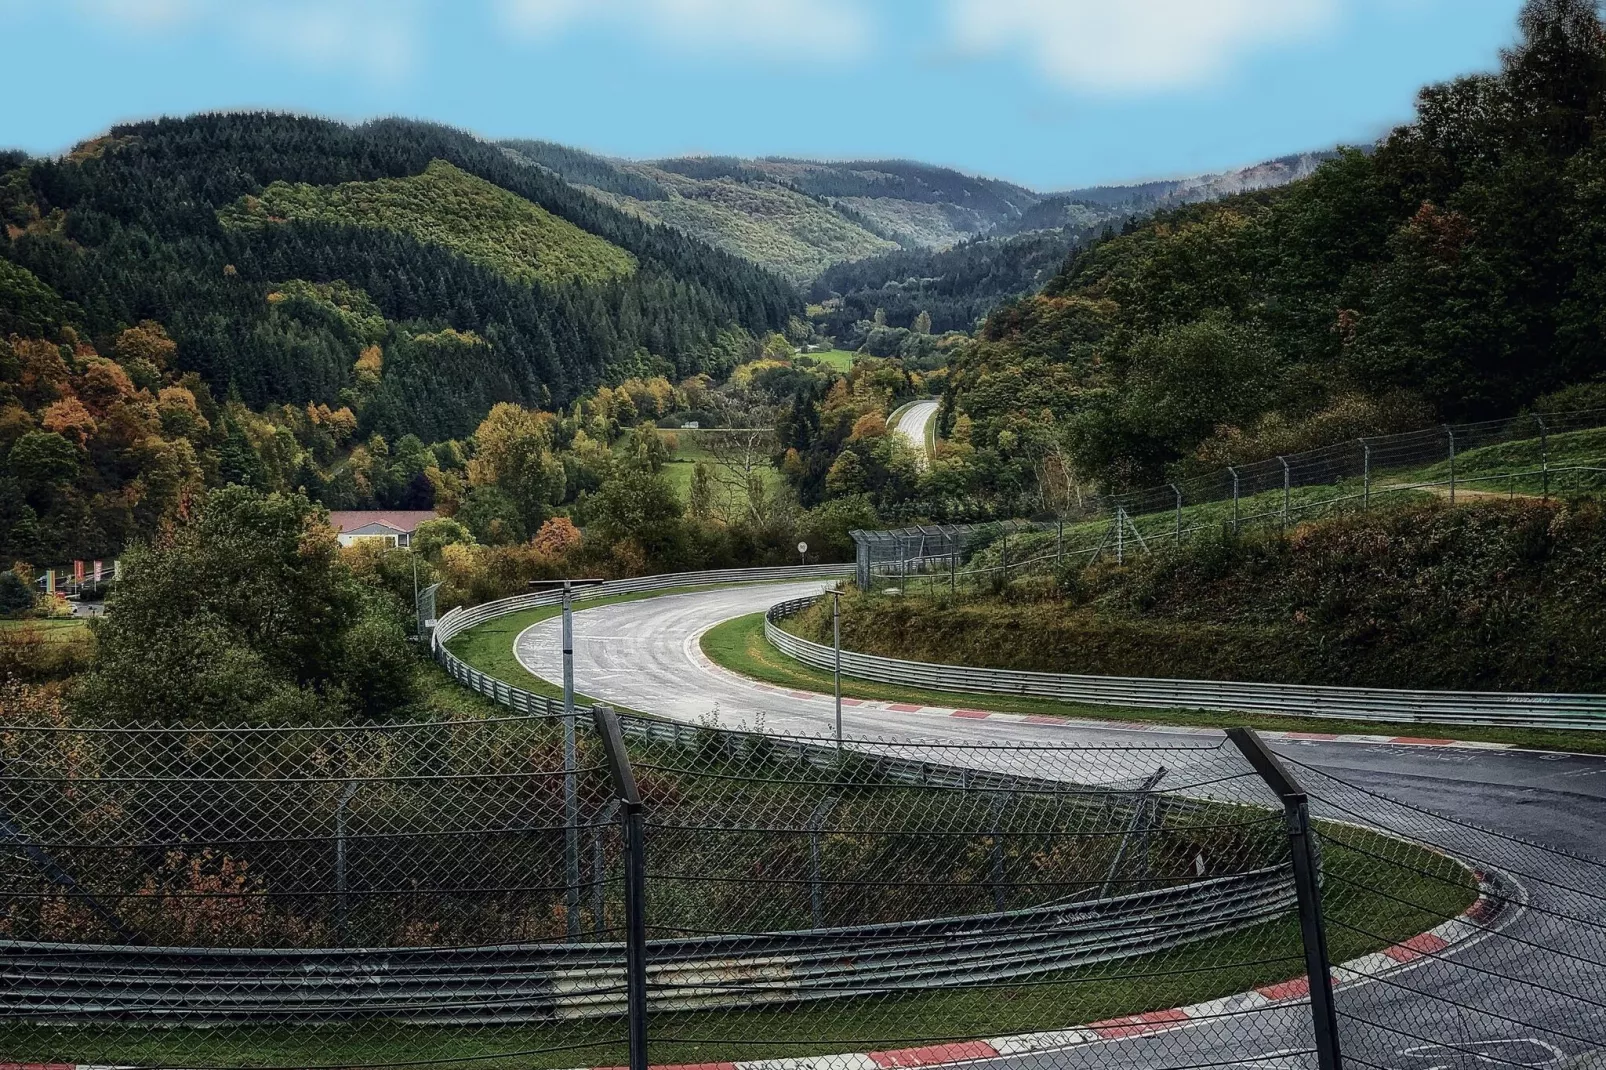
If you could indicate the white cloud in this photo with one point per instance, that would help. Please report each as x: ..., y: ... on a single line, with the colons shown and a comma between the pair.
x: 824, y: 29
x: 377, y: 39
x: 1134, y: 46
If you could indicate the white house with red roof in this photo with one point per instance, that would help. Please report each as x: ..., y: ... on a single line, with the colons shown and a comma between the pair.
x: 392, y: 527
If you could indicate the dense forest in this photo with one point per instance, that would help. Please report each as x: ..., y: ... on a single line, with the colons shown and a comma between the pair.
x: 956, y: 287
x: 193, y: 222
x: 1456, y: 272
x: 1452, y: 272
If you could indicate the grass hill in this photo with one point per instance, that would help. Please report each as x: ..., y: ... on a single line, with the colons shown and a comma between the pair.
x: 1496, y: 595
x: 451, y: 208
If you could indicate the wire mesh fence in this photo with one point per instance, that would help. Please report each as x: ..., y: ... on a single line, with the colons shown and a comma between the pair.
x: 1510, y: 969
x: 452, y: 893
x: 1533, y: 455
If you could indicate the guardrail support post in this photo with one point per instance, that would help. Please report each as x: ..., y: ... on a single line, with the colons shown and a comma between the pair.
x: 624, y: 787
x: 1307, y: 889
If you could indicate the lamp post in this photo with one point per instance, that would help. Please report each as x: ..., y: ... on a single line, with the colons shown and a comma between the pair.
x: 571, y: 795
x: 836, y: 666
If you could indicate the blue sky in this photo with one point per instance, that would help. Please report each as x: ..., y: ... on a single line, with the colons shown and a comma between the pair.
x: 1049, y: 93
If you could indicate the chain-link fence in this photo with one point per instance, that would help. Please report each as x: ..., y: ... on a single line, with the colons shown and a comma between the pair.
x: 1534, y: 455
x: 1515, y: 979
x: 459, y: 893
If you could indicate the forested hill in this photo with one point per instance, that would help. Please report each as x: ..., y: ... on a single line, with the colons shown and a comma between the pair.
x: 797, y: 217
x: 889, y: 235
x: 958, y: 285
x: 471, y: 277
x: 1456, y: 272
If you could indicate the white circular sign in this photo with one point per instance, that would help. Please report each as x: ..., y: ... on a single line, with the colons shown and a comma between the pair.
x: 802, y: 547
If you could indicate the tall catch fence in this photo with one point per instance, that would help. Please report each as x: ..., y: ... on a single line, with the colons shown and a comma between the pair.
x: 1533, y: 455
x: 456, y: 893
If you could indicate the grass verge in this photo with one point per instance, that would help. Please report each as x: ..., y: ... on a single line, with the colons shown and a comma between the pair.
x: 47, y: 629
x: 1382, y: 891
x: 1385, y: 892
x: 739, y: 645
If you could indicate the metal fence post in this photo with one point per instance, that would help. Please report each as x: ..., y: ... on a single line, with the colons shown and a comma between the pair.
x: 571, y: 794
x: 1234, y: 474
x: 1287, y: 484
x: 816, y: 893
x: 1178, y: 492
x: 1006, y: 555
x: 624, y: 786
x: 1307, y: 889
x: 1120, y: 535
x: 340, y: 860
x: 599, y: 921
x: 1134, y: 830
x: 1544, y: 453
x: 1059, y: 540
x: 1450, y: 431
x: 996, y: 851
x: 836, y: 666
x: 1366, y: 474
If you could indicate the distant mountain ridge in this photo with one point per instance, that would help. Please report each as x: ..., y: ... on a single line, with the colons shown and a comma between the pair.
x: 1078, y: 207
x: 802, y: 218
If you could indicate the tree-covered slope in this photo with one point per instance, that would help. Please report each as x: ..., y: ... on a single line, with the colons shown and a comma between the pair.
x: 193, y: 222
x: 449, y: 207
x: 1457, y: 271
x: 757, y: 215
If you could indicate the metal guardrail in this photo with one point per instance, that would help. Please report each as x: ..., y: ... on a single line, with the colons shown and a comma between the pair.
x: 76, y: 984
x: 1488, y: 708
x: 463, y: 618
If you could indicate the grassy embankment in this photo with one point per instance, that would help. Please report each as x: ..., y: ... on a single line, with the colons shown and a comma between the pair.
x: 1421, y: 892
x: 838, y: 359
x: 44, y: 649
x: 739, y: 645
x: 691, y: 449
x: 1480, y: 474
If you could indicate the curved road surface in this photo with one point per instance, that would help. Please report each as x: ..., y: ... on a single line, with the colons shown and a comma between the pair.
x: 911, y: 426
x: 646, y: 655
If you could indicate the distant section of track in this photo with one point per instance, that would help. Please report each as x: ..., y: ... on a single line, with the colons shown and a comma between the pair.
x: 912, y: 423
